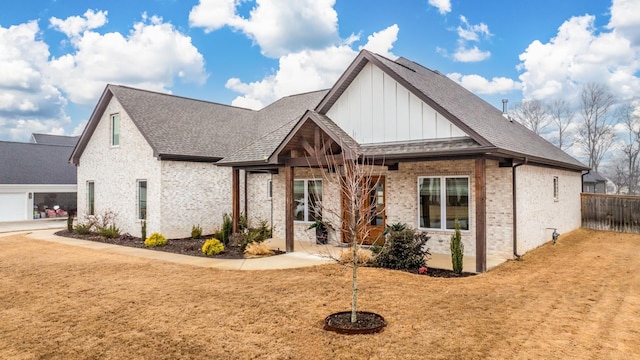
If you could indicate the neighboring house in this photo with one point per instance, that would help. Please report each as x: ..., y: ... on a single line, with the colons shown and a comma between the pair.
x: 442, y: 154
x: 36, y: 178
x: 594, y: 183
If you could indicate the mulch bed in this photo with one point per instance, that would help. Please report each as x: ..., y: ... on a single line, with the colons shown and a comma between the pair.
x: 185, y: 246
x: 442, y: 273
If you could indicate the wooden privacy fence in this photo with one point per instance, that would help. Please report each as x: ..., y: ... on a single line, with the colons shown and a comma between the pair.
x: 611, y: 212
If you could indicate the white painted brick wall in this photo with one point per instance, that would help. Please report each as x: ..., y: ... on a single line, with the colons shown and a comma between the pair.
x: 537, y: 209
x: 115, y: 170
x: 258, y: 201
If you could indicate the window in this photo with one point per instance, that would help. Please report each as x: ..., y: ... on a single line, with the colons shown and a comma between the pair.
x: 90, y: 198
x: 269, y: 189
x: 307, y: 200
x: 556, y: 191
x: 115, y: 130
x: 142, y: 199
x: 442, y: 200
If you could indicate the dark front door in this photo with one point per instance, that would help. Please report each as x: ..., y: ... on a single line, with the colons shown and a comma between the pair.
x: 372, y: 209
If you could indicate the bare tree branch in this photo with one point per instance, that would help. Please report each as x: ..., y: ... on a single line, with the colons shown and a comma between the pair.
x: 532, y: 114
x: 596, y: 135
x: 561, y: 115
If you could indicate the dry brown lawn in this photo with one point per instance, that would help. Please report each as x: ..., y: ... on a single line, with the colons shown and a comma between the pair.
x: 579, y: 299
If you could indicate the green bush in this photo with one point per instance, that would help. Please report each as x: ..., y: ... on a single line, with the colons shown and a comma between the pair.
x: 212, y: 247
x: 143, y: 229
x: 457, y: 249
x: 70, y: 222
x: 404, y: 250
x: 226, y: 230
x: 83, y: 229
x: 156, y: 239
x: 110, y: 231
x: 196, y: 232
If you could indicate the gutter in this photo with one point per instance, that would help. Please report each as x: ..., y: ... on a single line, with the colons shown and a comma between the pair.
x: 582, y: 182
x: 515, y: 207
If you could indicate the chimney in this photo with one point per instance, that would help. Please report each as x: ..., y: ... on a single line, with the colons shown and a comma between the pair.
x: 504, y: 105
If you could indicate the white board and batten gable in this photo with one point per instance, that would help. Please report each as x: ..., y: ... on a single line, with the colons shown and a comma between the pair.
x: 375, y: 108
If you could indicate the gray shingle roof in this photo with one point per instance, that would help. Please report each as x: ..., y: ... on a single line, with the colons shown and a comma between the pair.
x: 28, y: 163
x: 48, y: 139
x: 593, y: 177
x: 478, y: 115
x: 182, y: 128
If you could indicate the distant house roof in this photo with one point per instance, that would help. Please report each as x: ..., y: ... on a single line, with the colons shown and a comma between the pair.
x: 47, y: 139
x: 593, y: 177
x: 29, y: 163
x: 489, y: 131
x: 179, y: 128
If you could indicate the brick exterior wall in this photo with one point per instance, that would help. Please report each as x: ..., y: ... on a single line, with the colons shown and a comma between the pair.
x: 115, y: 171
x: 499, y: 211
x: 193, y: 193
x: 537, y: 208
x: 258, y: 200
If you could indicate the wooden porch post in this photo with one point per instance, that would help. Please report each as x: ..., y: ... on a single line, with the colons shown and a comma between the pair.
x: 288, y: 172
x: 481, y: 215
x: 235, y: 199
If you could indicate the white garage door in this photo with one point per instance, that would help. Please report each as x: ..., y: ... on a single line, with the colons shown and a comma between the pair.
x: 13, y: 207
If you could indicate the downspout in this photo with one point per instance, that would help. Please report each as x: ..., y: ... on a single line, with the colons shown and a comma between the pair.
x: 515, y: 207
x: 587, y: 173
x: 246, y: 210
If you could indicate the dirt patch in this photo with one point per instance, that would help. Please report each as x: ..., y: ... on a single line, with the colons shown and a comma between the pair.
x: 578, y: 299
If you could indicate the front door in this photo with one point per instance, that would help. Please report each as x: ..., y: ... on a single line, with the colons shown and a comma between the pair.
x: 372, y: 210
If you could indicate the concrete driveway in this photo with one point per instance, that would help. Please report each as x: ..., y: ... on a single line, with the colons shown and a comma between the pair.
x: 40, y: 224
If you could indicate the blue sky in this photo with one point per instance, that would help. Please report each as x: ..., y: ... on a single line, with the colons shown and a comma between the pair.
x: 56, y: 56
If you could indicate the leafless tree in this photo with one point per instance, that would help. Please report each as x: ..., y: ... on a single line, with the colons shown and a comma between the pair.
x: 355, y: 178
x: 532, y: 114
x: 595, y: 135
x: 561, y: 115
x: 630, y: 166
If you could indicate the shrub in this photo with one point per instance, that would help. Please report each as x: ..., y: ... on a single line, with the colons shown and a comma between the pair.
x: 196, y: 231
x: 212, y: 247
x: 83, y: 229
x: 143, y: 229
x: 70, y: 222
x: 156, y: 239
x: 110, y: 231
x: 363, y: 256
x: 227, y: 228
x: 403, y: 250
x: 258, y: 249
x: 457, y: 249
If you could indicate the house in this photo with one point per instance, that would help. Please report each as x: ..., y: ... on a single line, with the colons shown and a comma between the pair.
x: 440, y: 153
x: 36, y: 179
x: 593, y: 182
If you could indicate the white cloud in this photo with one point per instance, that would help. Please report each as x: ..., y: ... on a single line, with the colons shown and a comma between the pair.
x: 578, y: 54
x: 480, y: 85
x: 28, y: 100
x: 381, y: 42
x: 279, y: 27
x: 319, y: 69
x: 470, y: 32
x: 625, y: 18
x: 113, y: 58
x: 470, y: 55
x: 76, y: 25
x: 443, y: 6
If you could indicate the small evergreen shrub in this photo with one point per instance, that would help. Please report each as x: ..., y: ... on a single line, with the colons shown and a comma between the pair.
x: 143, y: 229
x: 83, y: 229
x: 70, y: 222
x: 156, y: 239
x: 403, y: 250
x: 227, y: 228
x: 258, y: 249
x: 110, y: 231
x: 212, y: 247
x: 457, y: 249
x: 196, y: 232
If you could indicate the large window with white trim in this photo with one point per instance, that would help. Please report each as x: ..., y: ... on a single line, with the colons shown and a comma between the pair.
x: 442, y: 200
x: 307, y: 200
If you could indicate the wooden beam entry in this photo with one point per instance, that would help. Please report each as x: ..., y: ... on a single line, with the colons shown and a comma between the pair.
x: 235, y: 199
x: 288, y: 173
x: 481, y: 215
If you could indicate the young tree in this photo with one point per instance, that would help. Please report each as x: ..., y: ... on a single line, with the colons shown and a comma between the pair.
x: 595, y: 134
x: 532, y: 114
x: 629, y: 167
x: 561, y: 115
